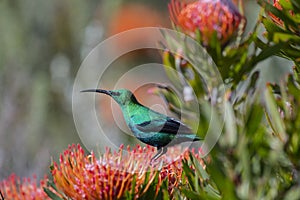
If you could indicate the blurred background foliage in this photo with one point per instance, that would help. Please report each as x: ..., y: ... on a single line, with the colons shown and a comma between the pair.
x: 42, y: 46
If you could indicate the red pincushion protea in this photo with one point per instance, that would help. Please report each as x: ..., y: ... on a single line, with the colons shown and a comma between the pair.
x: 112, y: 175
x: 208, y: 17
x: 14, y: 188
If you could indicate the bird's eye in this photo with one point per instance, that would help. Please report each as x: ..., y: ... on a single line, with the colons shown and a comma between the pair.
x: 115, y: 93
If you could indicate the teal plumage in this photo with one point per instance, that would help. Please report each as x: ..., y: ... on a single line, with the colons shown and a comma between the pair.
x: 147, y: 125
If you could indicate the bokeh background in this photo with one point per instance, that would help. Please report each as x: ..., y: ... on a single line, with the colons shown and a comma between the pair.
x: 42, y: 44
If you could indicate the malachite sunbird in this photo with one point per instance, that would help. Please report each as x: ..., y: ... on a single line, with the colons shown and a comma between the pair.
x: 147, y: 125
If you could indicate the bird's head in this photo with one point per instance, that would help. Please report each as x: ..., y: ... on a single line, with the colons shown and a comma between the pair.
x: 122, y: 96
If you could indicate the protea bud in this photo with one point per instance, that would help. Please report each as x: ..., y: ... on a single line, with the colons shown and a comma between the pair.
x: 209, y: 19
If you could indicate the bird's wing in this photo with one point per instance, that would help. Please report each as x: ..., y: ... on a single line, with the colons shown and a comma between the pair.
x: 168, y: 125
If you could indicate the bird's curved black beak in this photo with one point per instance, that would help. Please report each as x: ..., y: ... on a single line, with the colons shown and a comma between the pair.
x: 98, y: 91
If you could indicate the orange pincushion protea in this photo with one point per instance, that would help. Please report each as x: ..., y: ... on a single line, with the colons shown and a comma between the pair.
x: 112, y: 175
x: 14, y: 188
x: 85, y: 177
x: 207, y: 17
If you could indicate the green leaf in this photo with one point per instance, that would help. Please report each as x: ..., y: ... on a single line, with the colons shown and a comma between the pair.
x: 296, y: 5
x: 286, y: 4
x: 189, y: 173
x: 278, y: 13
x: 151, y: 192
x: 285, y: 37
x: 51, y: 194
x: 230, y: 125
x: 292, y: 53
x: 268, y: 52
x: 293, y: 194
x: 225, y: 186
x: 130, y: 194
x: 198, y: 167
x: 271, y: 27
x: 170, y: 97
x: 169, y: 66
x: 191, y: 195
x: 273, y: 115
x: 212, y: 192
x: 254, y: 118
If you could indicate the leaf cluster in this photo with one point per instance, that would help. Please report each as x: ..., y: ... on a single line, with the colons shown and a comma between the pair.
x: 257, y: 154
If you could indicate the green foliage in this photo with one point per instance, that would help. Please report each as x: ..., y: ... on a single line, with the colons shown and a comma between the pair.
x: 257, y: 154
x: 200, y: 186
x: 282, y: 27
x: 52, y: 191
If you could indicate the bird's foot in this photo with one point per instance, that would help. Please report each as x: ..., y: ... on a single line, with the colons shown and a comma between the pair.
x: 160, y: 151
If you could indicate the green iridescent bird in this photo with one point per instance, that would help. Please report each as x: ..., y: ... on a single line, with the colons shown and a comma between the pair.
x: 147, y: 125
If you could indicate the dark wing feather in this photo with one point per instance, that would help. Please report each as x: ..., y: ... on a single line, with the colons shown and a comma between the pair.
x: 168, y: 125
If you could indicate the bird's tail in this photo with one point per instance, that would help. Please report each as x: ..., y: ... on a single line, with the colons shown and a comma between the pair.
x: 188, y: 137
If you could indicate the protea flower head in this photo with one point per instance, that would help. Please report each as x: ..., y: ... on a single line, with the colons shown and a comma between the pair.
x: 208, y: 18
x: 15, y: 188
x: 111, y: 176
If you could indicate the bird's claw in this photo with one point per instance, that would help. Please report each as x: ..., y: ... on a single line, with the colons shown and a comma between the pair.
x: 160, y: 151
